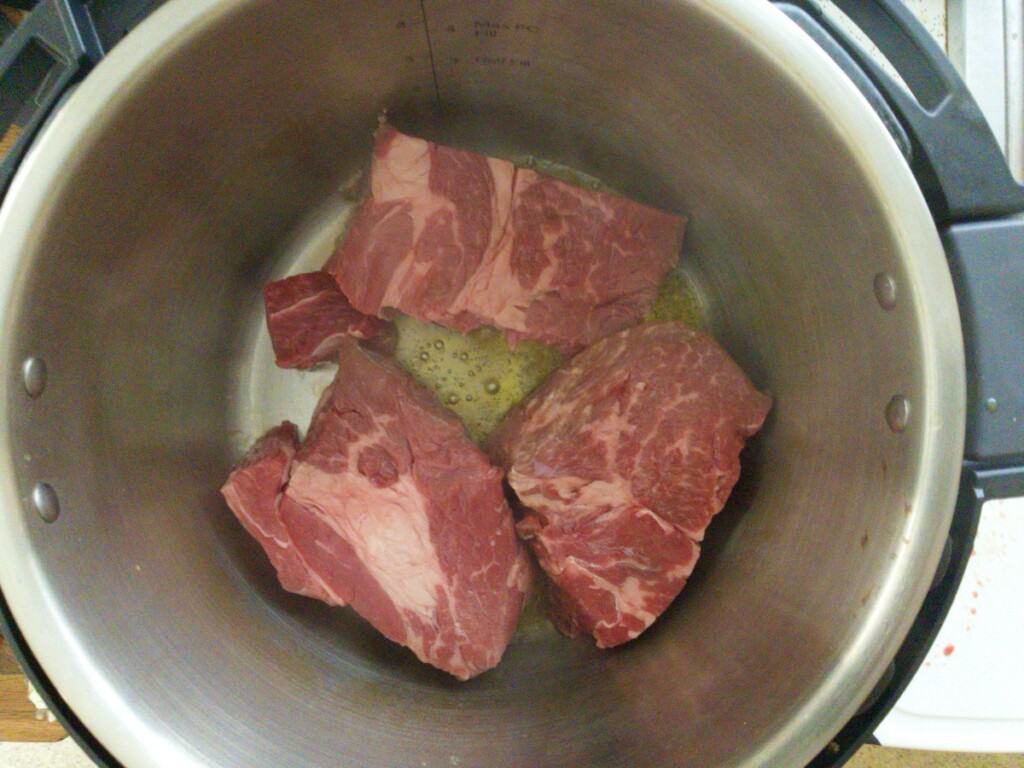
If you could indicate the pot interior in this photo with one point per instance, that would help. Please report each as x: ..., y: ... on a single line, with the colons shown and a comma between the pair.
x: 217, y: 165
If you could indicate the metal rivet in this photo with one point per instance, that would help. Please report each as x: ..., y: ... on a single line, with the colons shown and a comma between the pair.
x: 45, y: 502
x: 991, y: 405
x: 897, y: 413
x: 885, y: 290
x: 33, y: 374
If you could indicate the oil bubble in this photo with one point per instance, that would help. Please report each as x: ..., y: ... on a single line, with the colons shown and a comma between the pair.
x: 478, y: 359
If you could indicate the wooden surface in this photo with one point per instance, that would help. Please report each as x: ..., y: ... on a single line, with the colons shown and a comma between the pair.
x: 883, y: 757
x: 19, y: 720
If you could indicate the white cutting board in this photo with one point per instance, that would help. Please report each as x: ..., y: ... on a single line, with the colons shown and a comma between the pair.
x: 969, y: 694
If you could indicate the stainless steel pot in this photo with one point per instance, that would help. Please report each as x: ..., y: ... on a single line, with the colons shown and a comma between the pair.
x: 205, y: 154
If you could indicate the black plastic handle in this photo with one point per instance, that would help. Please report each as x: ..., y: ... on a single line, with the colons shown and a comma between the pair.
x: 986, y: 259
x: 812, y: 27
x: 967, y: 182
x: 46, y: 53
x: 968, y: 186
x: 953, y: 153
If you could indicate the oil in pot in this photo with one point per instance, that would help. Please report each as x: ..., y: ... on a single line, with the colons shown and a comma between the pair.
x: 677, y: 299
x: 476, y: 375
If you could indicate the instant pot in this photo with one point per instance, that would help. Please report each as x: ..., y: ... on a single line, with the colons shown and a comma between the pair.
x: 857, y: 241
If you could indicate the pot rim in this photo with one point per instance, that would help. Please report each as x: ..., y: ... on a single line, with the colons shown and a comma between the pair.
x: 108, y: 715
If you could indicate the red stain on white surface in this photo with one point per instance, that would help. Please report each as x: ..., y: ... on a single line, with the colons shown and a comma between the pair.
x: 948, y: 650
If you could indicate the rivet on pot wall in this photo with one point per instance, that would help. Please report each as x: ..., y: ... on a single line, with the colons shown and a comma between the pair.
x: 45, y: 502
x: 33, y: 375
x: 897, y: 413
x: 885, y: 290
x: 991, y: 405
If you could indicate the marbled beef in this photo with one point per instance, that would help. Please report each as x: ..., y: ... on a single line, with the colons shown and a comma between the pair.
x: 253, y: 492
x: 464, y: 240
x: 621, y: 459
x: 308, y: 319
x: 398, y: 513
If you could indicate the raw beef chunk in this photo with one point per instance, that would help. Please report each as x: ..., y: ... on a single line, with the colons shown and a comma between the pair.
x: 253, y: 492
x: 621, y: 459
x: 308, y: 318
x: 574, y: 265
x: 397, y: 512
x: 464, y: 240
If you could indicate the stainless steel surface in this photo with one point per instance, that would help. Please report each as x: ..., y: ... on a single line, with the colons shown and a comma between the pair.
x: 182, y: 173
